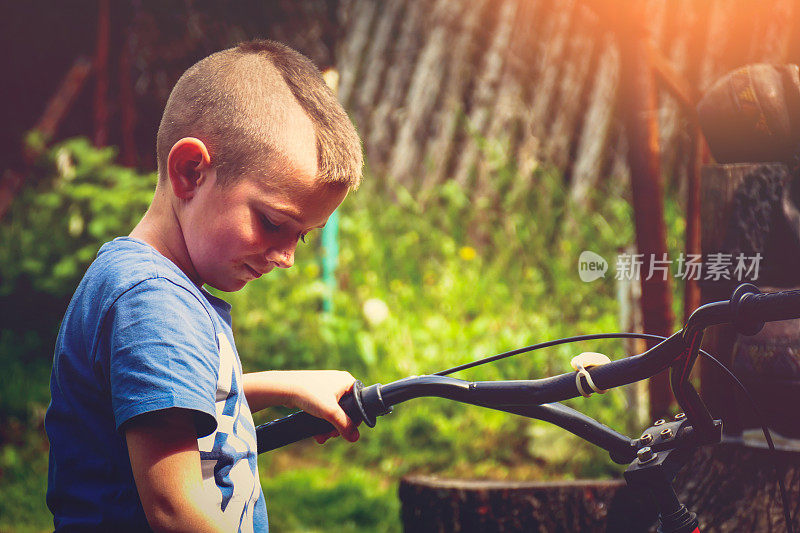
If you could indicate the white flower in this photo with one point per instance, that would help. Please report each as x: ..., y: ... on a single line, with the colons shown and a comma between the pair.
x: 375, y: 311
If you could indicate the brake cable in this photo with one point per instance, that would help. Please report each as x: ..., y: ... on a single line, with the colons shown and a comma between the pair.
x: 726, y: 372
x: 548, y: 344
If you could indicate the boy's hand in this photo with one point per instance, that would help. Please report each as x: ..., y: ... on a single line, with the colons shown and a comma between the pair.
x: 315, y: 391
x: 318, y: 393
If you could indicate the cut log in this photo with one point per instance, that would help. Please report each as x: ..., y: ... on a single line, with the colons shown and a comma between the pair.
x: 733, y: 488
x: 730, y: 487
x: 435, y: 505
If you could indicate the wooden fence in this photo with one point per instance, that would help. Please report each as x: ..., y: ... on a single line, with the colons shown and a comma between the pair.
x: 433, y: 85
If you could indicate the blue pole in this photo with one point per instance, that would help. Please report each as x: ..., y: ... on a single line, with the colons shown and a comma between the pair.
x: 330, y: 259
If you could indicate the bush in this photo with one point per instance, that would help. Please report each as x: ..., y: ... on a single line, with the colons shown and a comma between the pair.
x: 77, y: 200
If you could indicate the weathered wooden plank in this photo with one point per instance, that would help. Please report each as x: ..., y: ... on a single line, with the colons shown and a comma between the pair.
x: 484, y: 94
x: 516, y: 73
x: 423, y: 91
x: 351, y: 54
x: 389, y: 111
x: 596, y: 135
x: 376, y: 64
x: 546, y: 86
x: 462, y: 26
x: 769, y: 40
x: 580, y: 61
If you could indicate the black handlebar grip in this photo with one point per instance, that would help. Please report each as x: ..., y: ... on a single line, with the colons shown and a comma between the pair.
x: 754, y: 308
x: 289, y: 429
x: 301, y: 425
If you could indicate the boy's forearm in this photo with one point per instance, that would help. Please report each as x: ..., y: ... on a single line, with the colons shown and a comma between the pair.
x: 315, y: 391
x: 267, y: 389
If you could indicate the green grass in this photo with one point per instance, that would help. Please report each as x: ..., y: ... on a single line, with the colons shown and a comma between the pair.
x: 338, y: 498
x: 23, y: 479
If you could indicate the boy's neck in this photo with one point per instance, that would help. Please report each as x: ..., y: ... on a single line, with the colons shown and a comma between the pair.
x: 161, y: 229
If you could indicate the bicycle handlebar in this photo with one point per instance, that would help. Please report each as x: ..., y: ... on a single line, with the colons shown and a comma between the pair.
x: 365, y: 404
x: 748, y: 309
x: 753, y: 309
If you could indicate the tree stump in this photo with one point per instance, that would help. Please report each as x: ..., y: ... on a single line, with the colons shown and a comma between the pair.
x: 733, y: 488
x: 730, y: 487
x: 435, y: 505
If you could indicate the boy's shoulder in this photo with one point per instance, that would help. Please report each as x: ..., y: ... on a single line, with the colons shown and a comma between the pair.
x: 127, y: 263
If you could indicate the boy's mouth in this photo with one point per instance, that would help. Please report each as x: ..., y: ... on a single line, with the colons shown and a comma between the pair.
x: 255, y: 273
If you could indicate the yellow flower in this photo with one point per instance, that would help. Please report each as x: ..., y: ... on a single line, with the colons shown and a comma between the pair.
x: 467, y: 253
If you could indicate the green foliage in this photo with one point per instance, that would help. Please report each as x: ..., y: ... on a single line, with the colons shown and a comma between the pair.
x: 75, y: 200
x: 78, y: 200
x: 459, y: 283
x: 23, y: 478
x: 26, y: 373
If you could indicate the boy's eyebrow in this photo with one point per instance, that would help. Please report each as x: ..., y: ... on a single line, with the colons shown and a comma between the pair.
x: 293, y: 215
x: 286, y: 212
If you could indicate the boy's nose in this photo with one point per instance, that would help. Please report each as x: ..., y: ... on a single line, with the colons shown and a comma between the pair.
x: 282, y: 257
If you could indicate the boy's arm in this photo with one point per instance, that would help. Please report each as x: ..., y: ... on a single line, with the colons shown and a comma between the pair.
x: 166, y: 467
x: 315, y: 391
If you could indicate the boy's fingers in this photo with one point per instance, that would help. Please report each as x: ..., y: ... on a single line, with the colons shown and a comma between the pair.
x: 325, y: 436
x: 345, y: 427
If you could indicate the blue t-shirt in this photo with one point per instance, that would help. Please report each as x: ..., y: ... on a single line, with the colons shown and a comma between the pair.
x: 137, y: 337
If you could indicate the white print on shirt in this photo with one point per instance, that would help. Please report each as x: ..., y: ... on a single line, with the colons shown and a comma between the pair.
x: 228, y: 455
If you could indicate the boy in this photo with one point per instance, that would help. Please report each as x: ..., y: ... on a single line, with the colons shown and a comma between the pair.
x: 150, y: 421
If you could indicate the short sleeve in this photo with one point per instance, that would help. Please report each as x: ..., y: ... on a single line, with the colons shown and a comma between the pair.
x: 163, y: 353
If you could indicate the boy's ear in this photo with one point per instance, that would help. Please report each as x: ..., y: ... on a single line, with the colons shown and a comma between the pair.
x: 185, y: 163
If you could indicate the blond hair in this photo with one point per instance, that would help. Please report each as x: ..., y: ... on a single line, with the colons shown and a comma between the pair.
x: 230, y: 99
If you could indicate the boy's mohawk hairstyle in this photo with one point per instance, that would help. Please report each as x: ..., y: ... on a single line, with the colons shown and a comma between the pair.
x: 219, y: 99
x: 338, y: 146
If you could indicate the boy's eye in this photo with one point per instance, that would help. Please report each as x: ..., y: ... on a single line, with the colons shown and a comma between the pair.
x: 267, y: 223
x: 303, y: 237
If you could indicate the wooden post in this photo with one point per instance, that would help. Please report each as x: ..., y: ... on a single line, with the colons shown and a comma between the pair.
x: 719, y: 185
x: 101, y: 74
x: 719, y: 182
x: 61, y: 102
x: 57, y: 108
x: 640, y: 108
x: 697, y: 151
x: 127, y: 104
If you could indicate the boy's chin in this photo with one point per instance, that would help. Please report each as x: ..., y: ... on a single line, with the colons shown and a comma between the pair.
x: 232, y: 285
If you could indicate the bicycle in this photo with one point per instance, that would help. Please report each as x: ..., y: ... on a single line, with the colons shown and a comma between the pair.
x: 654, y: 458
